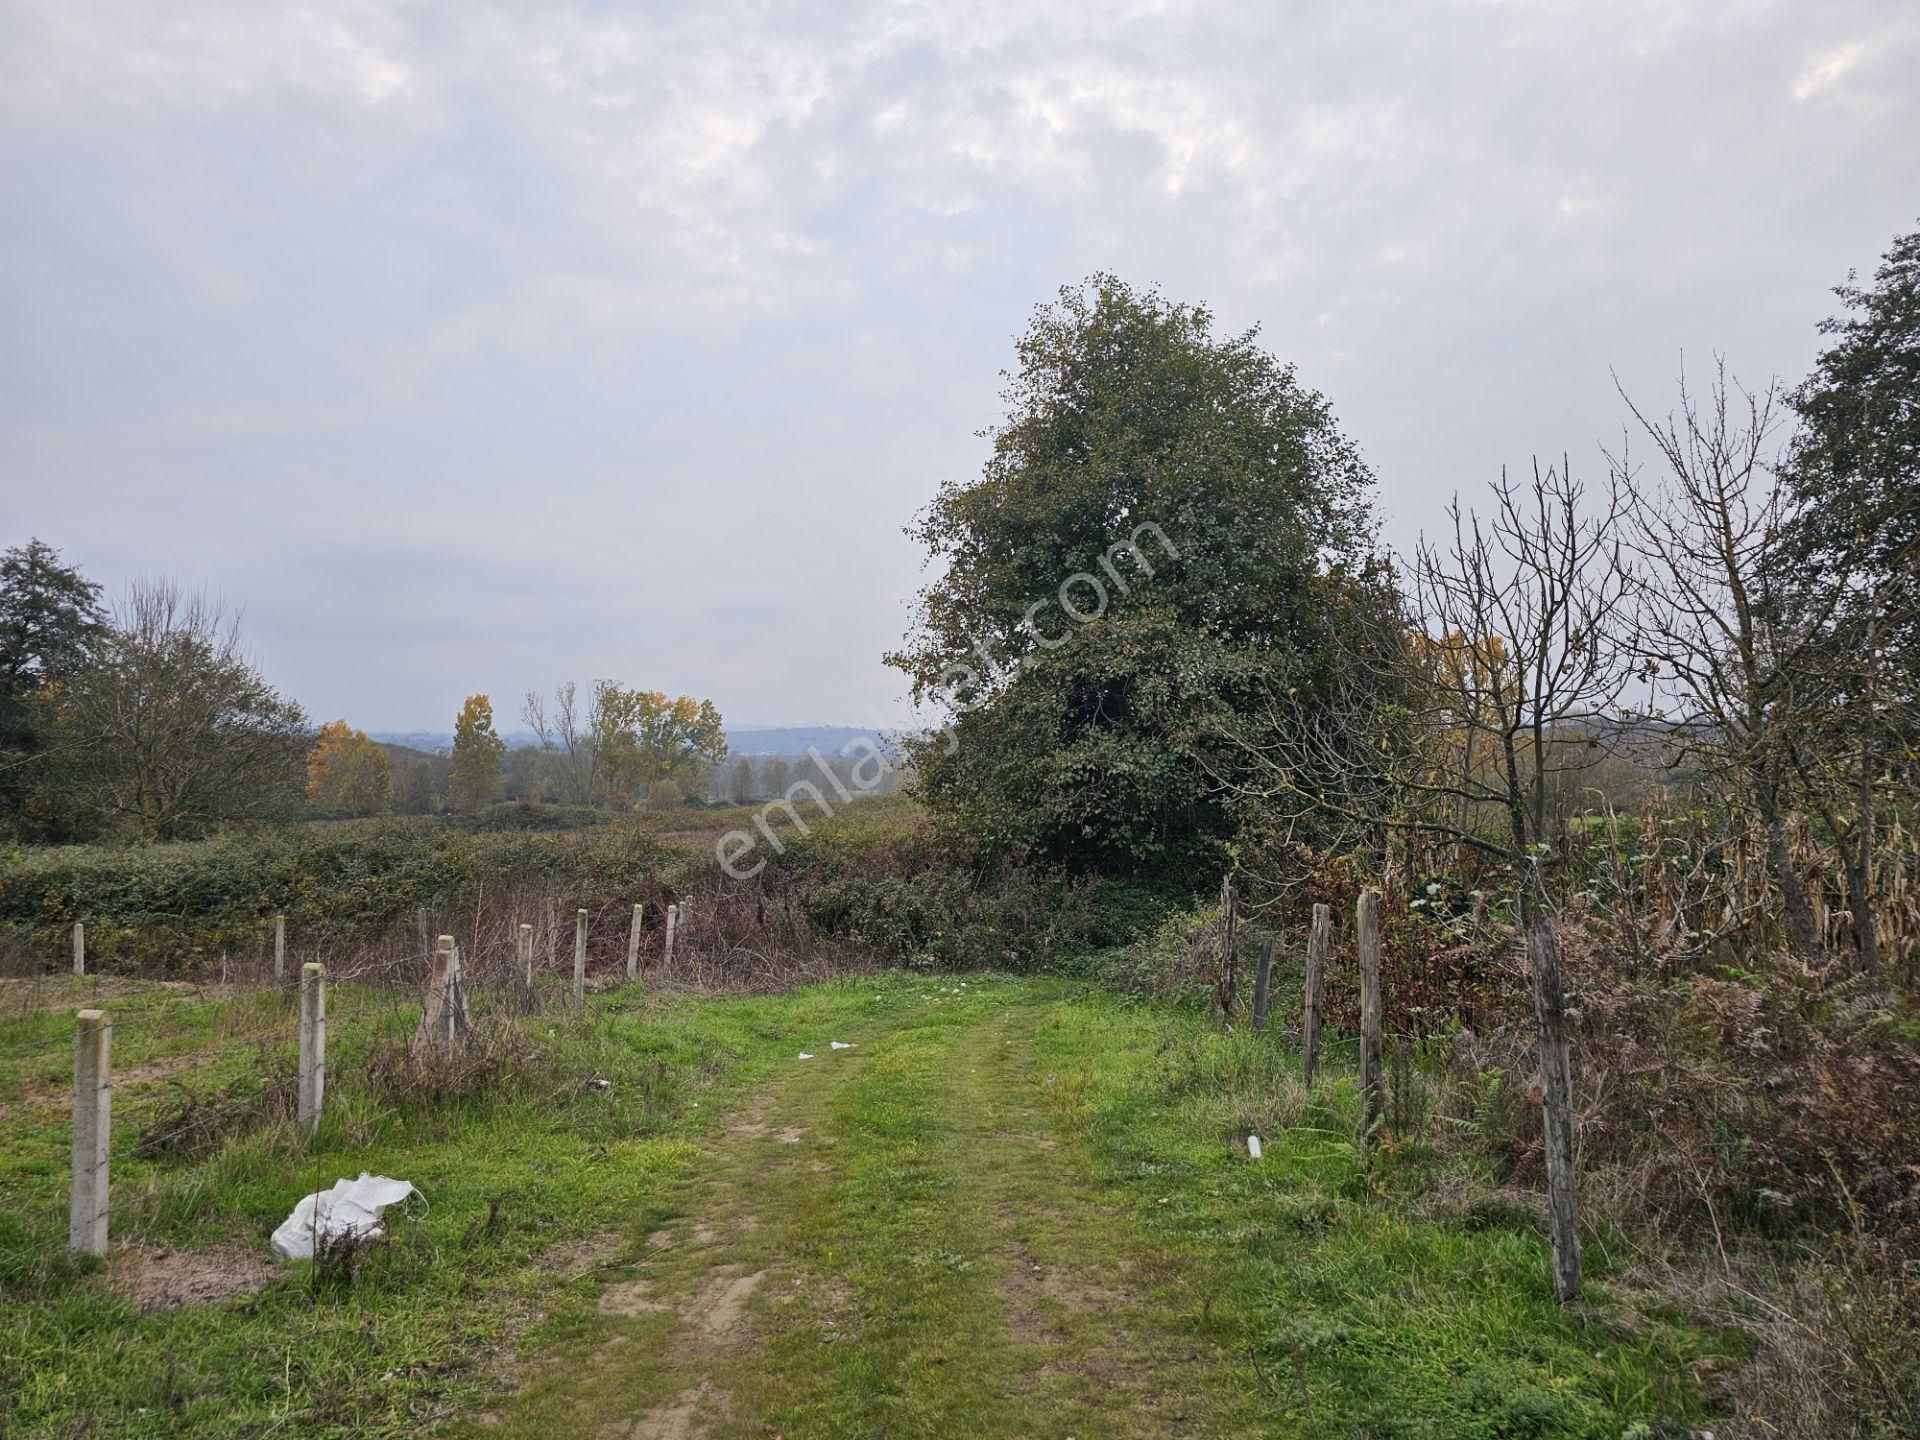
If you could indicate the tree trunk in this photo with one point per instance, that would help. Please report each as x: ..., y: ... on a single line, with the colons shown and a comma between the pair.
x: 1858, y: 858
x: 1556, y: 1090
x: 1793, y: 895
x: 1223, y: 985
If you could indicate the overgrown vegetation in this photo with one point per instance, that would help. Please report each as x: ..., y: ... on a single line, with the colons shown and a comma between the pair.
x: 1630, y: 765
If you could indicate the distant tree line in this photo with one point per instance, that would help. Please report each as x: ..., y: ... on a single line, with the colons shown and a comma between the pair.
x: 751, y: 779
x: 147, y: 722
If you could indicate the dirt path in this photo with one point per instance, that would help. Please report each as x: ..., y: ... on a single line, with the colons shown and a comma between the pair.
x: 888, y: 1239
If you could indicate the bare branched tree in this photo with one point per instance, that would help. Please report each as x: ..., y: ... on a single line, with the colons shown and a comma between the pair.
x: 1504, y: 681
x: 168, y: 730
x: 1731, y: 648
x: 566, y: 741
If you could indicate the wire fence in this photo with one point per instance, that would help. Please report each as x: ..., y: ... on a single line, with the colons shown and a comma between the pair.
x: 362, y: 999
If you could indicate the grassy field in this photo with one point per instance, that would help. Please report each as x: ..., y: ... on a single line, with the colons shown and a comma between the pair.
x: 1010, y: 1208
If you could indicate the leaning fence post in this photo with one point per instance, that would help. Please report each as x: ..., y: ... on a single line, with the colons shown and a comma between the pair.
x: 79, y: 947
x: 1262, y: 975
x: 579, y: 956
x: 92, y: 1134
x: 633, y: 944
x: 313, y: 1045
x: 1319, y: 939
x: 279, y: 947
x: 1368, y: 927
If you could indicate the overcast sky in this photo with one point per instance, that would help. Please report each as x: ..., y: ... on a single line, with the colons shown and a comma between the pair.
x: 469, y: 348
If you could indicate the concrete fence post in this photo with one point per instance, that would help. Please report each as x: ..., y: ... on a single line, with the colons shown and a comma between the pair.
x: 79, y: 947
x: 313, y: 1045
x: 438, y: 1024
x: 279, y: 947
x: 525, y: 968
x: 1368, y: 943
x: 579, y: 956
x: 459, y: 1025
x: 92, y: 1133
x: 1262, y: 978
x: 633, y: 944
x: 1319, y: 940
x: 673, y: 932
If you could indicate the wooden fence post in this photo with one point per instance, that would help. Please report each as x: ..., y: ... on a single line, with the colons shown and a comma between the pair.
x: 79, y: 947
x: 1556, y: 1100
x: 524, y: 970
x: 420, y: 929
x: 279, y: 947
x: 1319, y: 940
x: 1223, y: 985
x: 1368, y: 938
x: 92, y: 1134
x: 553, y: 930
x: 1262, y: 976
x: 633, y: 944
x: 579, y: 956
x: 313, y: 1045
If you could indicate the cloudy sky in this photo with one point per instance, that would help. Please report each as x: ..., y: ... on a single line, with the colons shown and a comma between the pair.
x: 471, y: 348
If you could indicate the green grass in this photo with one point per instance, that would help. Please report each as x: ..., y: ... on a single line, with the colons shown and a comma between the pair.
x: 1015, y: 1208
x: 1355, y: 1320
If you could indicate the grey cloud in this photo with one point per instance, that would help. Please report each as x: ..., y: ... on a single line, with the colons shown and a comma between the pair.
x: 473, y: 347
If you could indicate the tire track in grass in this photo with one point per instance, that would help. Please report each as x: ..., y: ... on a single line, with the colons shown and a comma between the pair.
x: 1086, y: 1301
x: 887, y: 1241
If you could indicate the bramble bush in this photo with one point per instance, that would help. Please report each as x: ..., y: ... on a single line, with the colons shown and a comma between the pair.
x: 172, y: 908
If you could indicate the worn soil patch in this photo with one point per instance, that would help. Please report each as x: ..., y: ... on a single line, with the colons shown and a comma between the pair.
x: 681, y: 1420
x: 714, y: 1321
x: 40, y: 1093
x: 1021, y: 1280
x: 154, y: 1278
x: 631, y: 1298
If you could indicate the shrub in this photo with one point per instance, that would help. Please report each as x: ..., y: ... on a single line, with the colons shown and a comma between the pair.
x: 171, y: 908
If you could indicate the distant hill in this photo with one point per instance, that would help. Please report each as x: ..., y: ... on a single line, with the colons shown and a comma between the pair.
x: 829, y: 740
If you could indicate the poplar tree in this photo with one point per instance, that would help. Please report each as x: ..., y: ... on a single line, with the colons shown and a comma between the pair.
x: 477, y: 753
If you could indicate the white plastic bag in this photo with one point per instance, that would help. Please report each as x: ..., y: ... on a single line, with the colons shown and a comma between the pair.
x: 352, y: 1209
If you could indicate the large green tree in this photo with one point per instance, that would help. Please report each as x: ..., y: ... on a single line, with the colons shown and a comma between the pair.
x: 1846, y: 578
x: 51, y: 623
x: 1162, y: 534
x: 1854, y: 465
